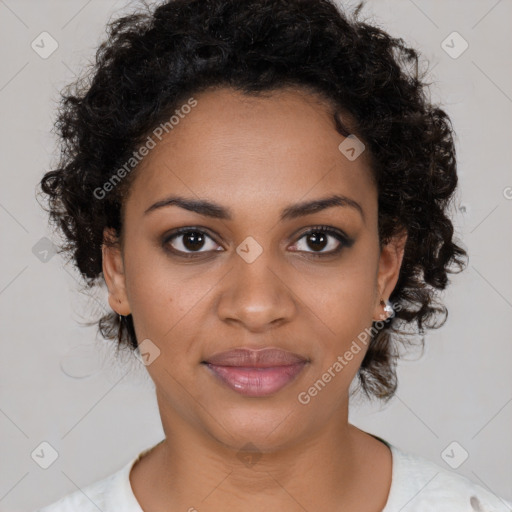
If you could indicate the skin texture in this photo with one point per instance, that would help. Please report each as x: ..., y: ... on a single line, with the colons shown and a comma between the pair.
x: 255, y: 156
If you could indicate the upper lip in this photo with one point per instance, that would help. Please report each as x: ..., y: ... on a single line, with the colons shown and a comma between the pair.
x: 251, y: 358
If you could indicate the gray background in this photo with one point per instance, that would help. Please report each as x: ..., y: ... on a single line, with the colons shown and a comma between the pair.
x: 59, y: 382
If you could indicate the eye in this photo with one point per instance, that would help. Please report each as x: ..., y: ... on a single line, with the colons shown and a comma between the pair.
x: 319, y: 238
x: 190, y: 240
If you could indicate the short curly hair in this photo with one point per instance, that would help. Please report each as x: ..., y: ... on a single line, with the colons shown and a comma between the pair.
x: 155, y: 58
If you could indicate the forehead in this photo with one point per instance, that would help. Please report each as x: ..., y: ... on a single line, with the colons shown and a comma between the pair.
x: 252, y: 152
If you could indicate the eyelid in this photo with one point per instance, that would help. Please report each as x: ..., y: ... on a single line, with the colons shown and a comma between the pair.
x: 175, y: 233
x: 324, y: 229
x: 343, y: 239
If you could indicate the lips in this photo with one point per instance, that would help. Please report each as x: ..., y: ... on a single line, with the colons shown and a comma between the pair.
x: 262, y: 358
x: 255, y: 373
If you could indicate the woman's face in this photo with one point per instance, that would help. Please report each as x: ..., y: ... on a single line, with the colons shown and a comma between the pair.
x: 247, y: 274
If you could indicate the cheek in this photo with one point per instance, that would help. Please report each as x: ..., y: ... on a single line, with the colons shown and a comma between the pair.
x: 345, y: 303
x: 161, y: 297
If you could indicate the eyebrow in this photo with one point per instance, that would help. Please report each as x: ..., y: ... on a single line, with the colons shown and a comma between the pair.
x: 216, y: 211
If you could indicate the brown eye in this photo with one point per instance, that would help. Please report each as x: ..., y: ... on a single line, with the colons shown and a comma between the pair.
x: 317, y: 240
x: 193, y: 240
x: 322, y: 240
x: 189, y: 241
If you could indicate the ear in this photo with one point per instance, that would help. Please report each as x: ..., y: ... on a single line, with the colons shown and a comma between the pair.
x: 390, y: 262
x: 113, y: 272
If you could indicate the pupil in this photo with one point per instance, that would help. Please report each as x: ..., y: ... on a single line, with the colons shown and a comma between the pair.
x: 193, y: 240
x: 315, y: 238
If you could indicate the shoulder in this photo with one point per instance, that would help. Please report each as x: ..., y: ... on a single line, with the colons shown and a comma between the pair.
x: 108, y: 494
x: 419, y: 484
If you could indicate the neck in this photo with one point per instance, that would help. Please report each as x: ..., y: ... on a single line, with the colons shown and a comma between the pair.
x: 332, y: 468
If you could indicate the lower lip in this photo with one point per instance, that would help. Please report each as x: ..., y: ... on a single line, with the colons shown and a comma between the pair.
x: 256, y: 381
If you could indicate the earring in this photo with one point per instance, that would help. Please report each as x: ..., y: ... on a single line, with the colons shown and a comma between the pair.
x: 121, y: 317
x: 388, y: 308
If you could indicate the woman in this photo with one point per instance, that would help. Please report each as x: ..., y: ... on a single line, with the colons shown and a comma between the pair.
x: 263, y: 187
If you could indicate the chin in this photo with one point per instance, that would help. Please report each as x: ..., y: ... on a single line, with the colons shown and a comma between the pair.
x: 267, y: 428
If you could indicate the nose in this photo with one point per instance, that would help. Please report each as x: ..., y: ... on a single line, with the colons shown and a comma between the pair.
x: 256, y: 295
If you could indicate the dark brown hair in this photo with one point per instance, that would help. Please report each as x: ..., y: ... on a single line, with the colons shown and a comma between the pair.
x: 153, y: 59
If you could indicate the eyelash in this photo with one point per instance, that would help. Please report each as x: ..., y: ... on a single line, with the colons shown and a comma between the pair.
x: 344, y: 240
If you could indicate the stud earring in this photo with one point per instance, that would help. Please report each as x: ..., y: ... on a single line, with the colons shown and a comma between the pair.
x: 388, y: 308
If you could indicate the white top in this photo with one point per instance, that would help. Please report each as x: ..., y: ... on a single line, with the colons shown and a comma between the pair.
x: 418, y: 485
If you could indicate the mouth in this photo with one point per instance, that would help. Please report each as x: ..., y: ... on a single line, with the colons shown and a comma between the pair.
x: 256, y: 373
